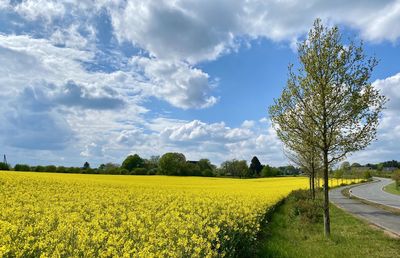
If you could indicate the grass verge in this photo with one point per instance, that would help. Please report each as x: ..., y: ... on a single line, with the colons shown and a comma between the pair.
x: 392, y: 189
x: 289, y: 235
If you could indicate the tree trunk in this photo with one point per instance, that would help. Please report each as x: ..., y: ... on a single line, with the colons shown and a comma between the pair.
x: 313, y: 183
x: 327, y: 222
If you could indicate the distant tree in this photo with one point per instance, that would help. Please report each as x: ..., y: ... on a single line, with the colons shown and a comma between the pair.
x: 331, y: 96
x: 379, y: 167
x: 4, y: 166
x: 255, y: 166
x: 132, y: 161
x: 152, y: 163
x: 139, y: 171
x: 102, y: 166
x: 338, y: 173
x: 109, y: 168
x: 191, y: 169
x: 235, y: 168
x: 269, y: 171
x: 86, y: 165
x: 61, y: 169
x: 206, y: 167
x: 205, y: 164
x: 345, y: 166
x: 392, y: 163
x: 172, y: 163
x: 289, y: 170
x: 40, y: 168
x: 50, y: 168
x: 356, y: 165
x: 208, y: 173
x: 22, y: 167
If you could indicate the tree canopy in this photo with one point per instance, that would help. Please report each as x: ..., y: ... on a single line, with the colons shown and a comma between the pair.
x: 328, y: 102
x: 132, y: 161
x: 255, y: 166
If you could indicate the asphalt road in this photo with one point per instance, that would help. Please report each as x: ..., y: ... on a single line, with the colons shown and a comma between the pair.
x: 373, y: 192
x: 381, y: 218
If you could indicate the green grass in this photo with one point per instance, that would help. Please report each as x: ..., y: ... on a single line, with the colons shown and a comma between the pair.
x: 392, y: 189
x: 287, y: 236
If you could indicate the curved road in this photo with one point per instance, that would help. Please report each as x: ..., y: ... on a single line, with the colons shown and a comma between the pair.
x: 374, y: 192
x: 381, y: 218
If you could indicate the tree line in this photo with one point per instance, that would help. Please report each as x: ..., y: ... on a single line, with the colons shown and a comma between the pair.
x: 173, y: 164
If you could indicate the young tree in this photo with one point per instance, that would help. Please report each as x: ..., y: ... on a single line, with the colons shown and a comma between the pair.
x: 331, y: 96
x: 308, y: 158
x: 255, y: 166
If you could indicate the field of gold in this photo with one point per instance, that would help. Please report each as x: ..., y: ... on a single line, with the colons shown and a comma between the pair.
x: 45, y: 214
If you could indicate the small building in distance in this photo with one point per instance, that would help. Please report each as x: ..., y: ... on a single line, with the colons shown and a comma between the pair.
x: 389, y: 169
x: 363, y: 168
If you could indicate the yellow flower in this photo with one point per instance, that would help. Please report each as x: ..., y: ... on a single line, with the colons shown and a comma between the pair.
x: 52, y: 215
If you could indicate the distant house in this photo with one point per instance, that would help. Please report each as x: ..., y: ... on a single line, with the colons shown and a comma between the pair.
x: 363, y: 168
x: 389, y: 169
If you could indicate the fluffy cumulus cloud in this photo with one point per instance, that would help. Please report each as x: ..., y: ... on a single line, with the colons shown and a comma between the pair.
x: 198, y: 139
x: 203, y: 30
x: 78, y: 77
x: 389, y: 128
x: 176, y: 82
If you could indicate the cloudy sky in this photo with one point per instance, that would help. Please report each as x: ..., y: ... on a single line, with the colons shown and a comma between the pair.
x: 97, y: 80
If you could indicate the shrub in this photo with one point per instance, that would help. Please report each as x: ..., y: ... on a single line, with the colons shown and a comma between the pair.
x: 396, y: 178
x: 208, y: 173
x: 367, y: 175
x: 139, y: 171
x: 124, y: 171
x: 308, y: 210
x: 152, y: 171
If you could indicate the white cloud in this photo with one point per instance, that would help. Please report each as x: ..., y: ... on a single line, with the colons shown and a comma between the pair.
x: 71, y: 37
x: 386, y: 147
x: 175, y: 37
x: 178, y: 83
x: 179, y: 30
x: 195, y: 31
x: 248, y: 123
x: 33, y: 9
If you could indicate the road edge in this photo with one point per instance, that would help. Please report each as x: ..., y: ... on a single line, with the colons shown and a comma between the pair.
x: 389, y: 208
x: 386, y: 230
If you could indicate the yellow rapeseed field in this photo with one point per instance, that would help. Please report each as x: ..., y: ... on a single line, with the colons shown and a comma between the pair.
x: 53, y: 215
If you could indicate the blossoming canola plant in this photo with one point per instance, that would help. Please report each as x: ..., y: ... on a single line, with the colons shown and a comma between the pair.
x: 142, y: 216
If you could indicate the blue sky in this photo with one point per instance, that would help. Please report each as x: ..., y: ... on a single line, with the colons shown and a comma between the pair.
x: 98, y: 80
